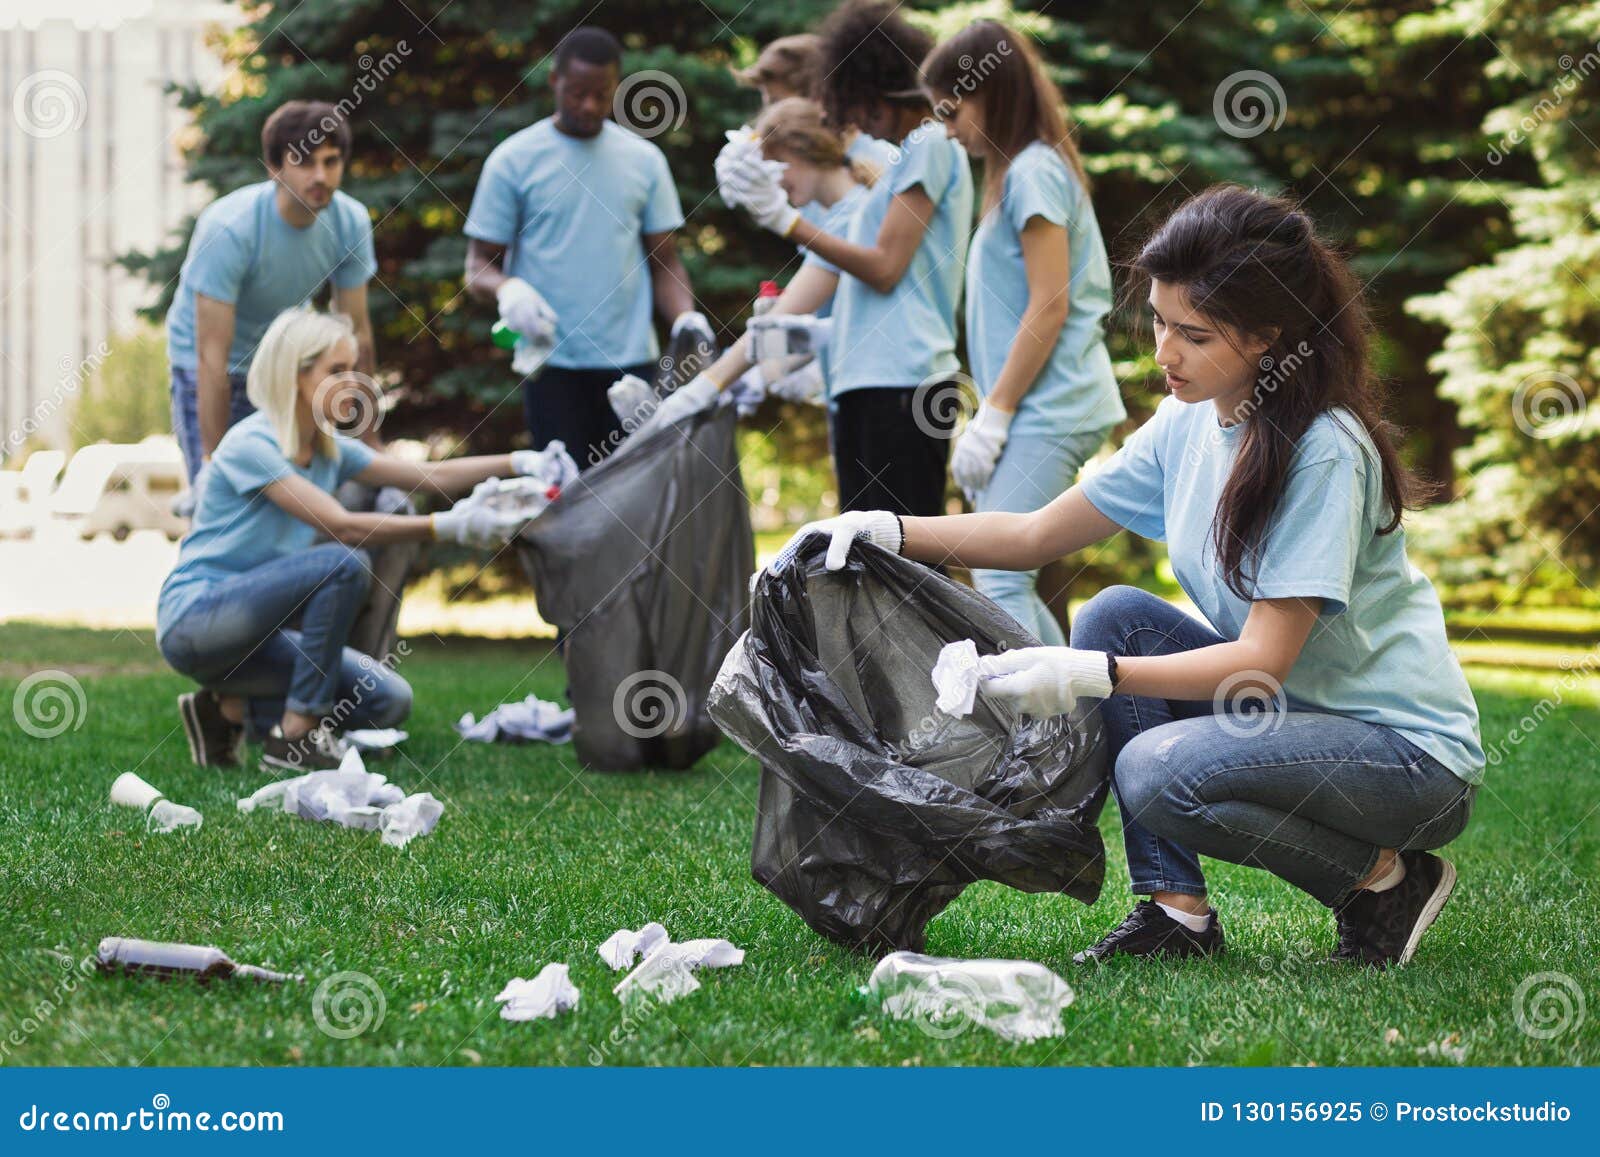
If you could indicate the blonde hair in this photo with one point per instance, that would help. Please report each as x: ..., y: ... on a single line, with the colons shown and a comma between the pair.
x: 790, y: 61
x: 797, y: 126
x: 292, y: 344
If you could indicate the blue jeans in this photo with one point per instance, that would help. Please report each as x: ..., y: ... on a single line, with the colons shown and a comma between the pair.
x: 1034, y: 470
x: 186, y: 414
x: 235, y: 639
x: 1309, y: 796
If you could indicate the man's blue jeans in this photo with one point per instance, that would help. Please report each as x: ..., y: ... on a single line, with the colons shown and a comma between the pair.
x: 186, y: 414
x: 237, y: 639
x: 1309, y: 796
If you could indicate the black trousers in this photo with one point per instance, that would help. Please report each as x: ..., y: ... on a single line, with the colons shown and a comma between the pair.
x: 571, y: 405
x: 891, y: 447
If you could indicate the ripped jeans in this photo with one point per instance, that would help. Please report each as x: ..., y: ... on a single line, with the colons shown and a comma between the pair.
x: 1310, y: 796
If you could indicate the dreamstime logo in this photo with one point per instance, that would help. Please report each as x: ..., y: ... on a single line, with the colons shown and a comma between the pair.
x: 1547, y: 1005
x: 352, y: 399
x: 940, y: 404
x: 1574, y: 73
x: 952, y: 1003
x: 1249, y: 103
x: 650, y: 103
x: 48, y: 703
x: 373, y: 73
x: 73, y: 375
x: 49, y: 103
x: 1576, y: 672
x: 1248, y: 704
x: 348, y: 1004
x: 650, y: 703
x: 1547, y: 404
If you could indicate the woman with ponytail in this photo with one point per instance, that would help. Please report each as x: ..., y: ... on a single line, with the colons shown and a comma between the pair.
x: 1038, y: 289
x: 1314, y: 722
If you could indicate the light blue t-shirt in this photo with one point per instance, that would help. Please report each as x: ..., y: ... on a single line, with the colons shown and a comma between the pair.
x: 835, y: 220
x: 573, y: 212
x: 905, y: 336
x: 1075, y: 391
x: 244, y: 252
x: 236, y: 527
x: 875, y: 151
x: 1378, y: 651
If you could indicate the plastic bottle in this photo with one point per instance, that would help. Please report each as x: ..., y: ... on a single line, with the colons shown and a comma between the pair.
x: 155, y: 958
x: 767, y: 297
x: 528, y: 353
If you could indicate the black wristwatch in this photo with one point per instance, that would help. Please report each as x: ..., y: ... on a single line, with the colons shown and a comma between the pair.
x: 1111, y: 669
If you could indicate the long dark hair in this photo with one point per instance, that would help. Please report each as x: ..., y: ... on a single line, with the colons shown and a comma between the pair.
x: 1254, y: 264
x: 1020, y: 105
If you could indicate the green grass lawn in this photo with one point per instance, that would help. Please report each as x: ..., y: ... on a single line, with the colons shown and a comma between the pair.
x: 536, y: 860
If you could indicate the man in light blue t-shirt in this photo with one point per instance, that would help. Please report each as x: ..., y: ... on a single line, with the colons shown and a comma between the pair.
x: 256, y: 252
x: 572, y: 233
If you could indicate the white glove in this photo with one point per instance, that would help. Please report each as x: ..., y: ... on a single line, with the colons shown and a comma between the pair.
x: 695, y: 322
x: 769, y: 206
x: 879, y: 527
x: 743, y: 148
x: 525, y: 310
x: 805, y: 385
x: 973, y: 460
x: 552, y: 465
x: 779, y: 335
x: 689, y: 398
x: 1045, y: 680
x: 478, y: 525
x: 632, y: 399
x: 748, y: 391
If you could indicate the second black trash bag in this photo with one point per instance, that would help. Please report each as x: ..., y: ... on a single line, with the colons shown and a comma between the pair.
x: 644, y: 562
x: 876, y: 809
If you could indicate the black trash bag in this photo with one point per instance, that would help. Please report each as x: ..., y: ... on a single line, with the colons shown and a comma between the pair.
x: 645, y: 562
x: 876, y: 809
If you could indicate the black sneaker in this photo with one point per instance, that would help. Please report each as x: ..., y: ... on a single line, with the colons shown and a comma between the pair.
x: 1381, y: 929
x: 317, y: 750
x: 214, y: 739
x: 1148, y: 931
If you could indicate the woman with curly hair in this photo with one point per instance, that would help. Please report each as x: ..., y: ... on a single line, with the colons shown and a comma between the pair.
x: 900, y: 257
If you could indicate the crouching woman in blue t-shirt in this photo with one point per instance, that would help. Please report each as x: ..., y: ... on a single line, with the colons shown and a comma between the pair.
x: 1274, y: 480
x: 248, y: 568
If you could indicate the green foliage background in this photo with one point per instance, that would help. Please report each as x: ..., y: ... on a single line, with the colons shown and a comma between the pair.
x: 1439, y: 141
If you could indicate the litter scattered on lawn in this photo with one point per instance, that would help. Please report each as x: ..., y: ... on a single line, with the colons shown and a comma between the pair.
x: 122, y: 954
x: 375, y: 739
x: 160, y: 813
x: 352, y: 797
x: 667, y: 971
x: 532, y: 720
x: 624, y: 946
x: 544, y: 997
x: 1015, y: 999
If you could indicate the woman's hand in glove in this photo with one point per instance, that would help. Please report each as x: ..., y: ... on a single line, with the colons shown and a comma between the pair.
x: 878, y: 527
x: 1045, y: 680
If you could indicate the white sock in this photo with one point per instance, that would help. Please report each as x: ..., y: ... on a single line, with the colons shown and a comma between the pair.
x: 1396, y: 873
x: 1191, y: 921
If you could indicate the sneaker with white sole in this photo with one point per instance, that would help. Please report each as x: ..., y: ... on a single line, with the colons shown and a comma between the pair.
x: 1382, y: 929
x: 319, y: 749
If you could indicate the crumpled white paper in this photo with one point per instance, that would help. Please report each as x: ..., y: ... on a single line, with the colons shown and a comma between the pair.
x: 352, y: 797
x: 532, y: 719
x: 414, y: 816
x: 624, y: 946
x: 544, y: 997
x: 955, y: 677
x: 370, y: 739
x: 667, y: 972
